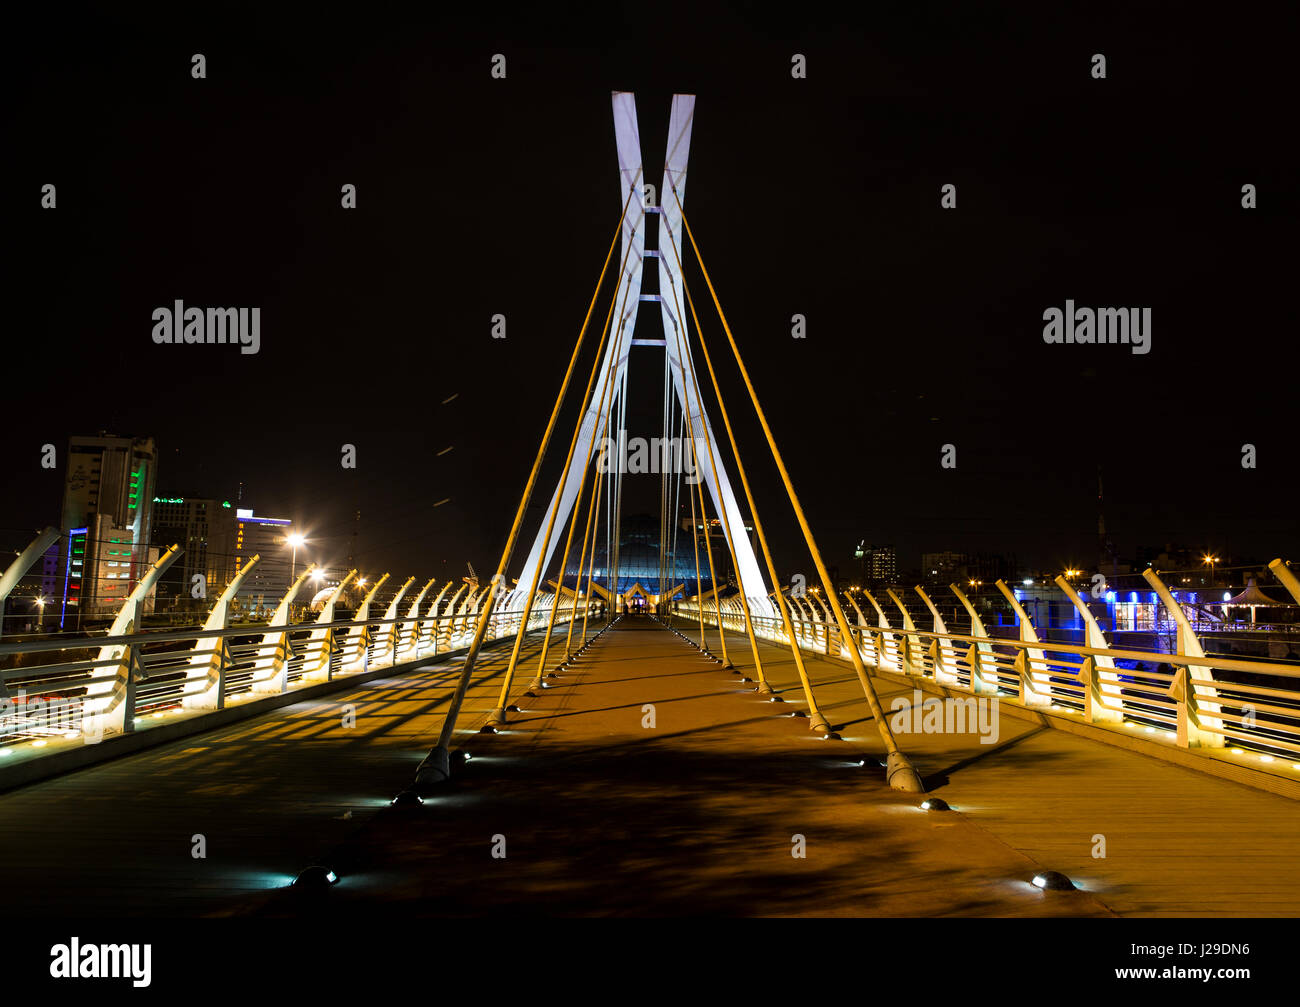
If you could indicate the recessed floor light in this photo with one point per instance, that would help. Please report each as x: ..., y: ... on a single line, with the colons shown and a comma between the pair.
x: 1053, y: 881
x: 315, y: 878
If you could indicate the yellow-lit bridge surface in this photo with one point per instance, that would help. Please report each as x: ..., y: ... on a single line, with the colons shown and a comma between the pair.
x: 597, y: 813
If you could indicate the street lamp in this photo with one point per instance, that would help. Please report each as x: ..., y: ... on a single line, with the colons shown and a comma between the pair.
x: 295, y: 540
x: 1211, y: 560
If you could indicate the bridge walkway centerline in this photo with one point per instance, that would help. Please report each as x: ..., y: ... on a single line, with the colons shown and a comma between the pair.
x: 598, y: 813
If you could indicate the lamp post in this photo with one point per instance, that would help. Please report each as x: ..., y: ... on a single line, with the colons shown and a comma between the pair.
x: 294, y: 540
x: 1211, y: 560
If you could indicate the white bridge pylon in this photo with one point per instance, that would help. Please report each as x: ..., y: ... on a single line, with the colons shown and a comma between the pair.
x: 672, y: 300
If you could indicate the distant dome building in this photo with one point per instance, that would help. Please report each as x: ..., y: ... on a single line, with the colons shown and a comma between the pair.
x: 638, y: 560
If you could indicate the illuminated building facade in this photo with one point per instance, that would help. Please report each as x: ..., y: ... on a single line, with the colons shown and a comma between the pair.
x: 205, y: 529
x: 267, y: 537
x: 107, y: 521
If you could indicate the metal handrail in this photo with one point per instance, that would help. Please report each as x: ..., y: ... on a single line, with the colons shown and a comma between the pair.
x: 128, y: 678
x: 1194, y: 705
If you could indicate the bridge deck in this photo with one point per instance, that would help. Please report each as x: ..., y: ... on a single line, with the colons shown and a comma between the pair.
x: 600, y: 814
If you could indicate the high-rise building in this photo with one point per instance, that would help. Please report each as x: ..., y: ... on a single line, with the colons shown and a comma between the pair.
x: 878, y: 563
x: 205, y: 529
x: 943, y: 567
x: 106, y: 522
x: 267, y: 537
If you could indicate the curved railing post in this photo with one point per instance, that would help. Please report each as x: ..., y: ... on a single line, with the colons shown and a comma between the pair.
x: 979, y: 652
x: 941, y: 654
x: 1195, y: 697
x: 1103, y: 701
x: 1287, y: 578
x: 110, y: 702
x: 386, y: 647
x: 428, y: 635
x: 409, y: 634
x: 271, y: 665
x: 205, y: 685
x: 19, y: 567
x: 356, y: 647
x: 1035, y: 686
x: 826, y: 623
x: 320, y: 645
x: 452, y: 612
x: 910, y: 650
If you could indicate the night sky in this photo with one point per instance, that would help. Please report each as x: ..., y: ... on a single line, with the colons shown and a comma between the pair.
x: 819, y: 196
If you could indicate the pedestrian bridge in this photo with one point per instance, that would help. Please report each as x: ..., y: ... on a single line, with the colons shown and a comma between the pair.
x: 643, y: 778
x: 521, y: 747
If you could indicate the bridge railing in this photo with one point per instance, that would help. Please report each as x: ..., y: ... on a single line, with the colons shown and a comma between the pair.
x: 1211, y: 701
x: 63, y: 688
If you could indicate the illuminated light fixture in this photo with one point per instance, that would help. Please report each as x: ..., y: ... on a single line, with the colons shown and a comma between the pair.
x: 776, y: 699
x: 6, y: 751
x: 157, y: 715
x: 407, y: 799
x: 487, y: 729
x: 1236, y: 751
x: 831, y: 736
x: 1053, y: 881
x: 1266, y: 758
x: 1150, y: 730
x: 38, y: 744
x: 514, y: 709
x: 69, y: 734
x: 1027, y: 581
x: 935, y: 804
x: 316, y: 879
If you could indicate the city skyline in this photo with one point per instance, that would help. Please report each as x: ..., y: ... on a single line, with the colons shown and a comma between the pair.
x: 864, y: 251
